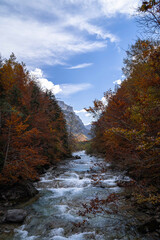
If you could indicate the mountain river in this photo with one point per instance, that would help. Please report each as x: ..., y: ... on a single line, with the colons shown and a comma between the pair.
x: 78, y: 201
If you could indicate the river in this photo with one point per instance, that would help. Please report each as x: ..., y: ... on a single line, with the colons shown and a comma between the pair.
x: 80, y: 200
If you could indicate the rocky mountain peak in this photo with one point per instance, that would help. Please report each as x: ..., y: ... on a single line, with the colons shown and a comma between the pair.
x: 74, y: 123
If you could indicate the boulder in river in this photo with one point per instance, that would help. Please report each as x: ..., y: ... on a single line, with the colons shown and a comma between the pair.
x: 77, y: 157
x: 15, y: 215
x: 124, y: 183
x: 19, y: 192
x: 80, y: 177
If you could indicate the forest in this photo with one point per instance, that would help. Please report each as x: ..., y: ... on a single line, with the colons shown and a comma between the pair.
x: 33, y: 131
x: 47, y: 182
x: 127, y: 128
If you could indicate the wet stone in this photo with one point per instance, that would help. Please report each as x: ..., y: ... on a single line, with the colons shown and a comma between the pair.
x: 15, y: 215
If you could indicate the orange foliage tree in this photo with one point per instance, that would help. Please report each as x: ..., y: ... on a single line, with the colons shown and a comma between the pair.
x: 127, y: 131
x: 32, y: 126
x: 22, y: 154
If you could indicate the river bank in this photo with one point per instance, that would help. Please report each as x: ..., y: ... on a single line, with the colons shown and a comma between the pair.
x: 81, y: 200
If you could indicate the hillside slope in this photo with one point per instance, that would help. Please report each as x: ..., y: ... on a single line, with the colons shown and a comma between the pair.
x: 74, y: 123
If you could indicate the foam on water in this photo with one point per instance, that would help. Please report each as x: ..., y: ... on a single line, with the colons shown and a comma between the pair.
x: 59, y: 192
x: 62, y: 208
x: 68, y: 174
x: 45, y: 180
x: 21, y: 234
x: 111, y: 182
x: 68, y: 213
x: 62, y: 195
x: 71, y: 217
x: 57, y: 232
x: 71, y: 182
x: 80, y: 236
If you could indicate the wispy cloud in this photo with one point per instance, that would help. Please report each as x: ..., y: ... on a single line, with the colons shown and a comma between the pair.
x: 68, y: 89
x: 111, y: 8
x: 82, y: 24
x: 80, y: 111
x: 50, y: 32
x: 83, y: 65
x: 83, y: 112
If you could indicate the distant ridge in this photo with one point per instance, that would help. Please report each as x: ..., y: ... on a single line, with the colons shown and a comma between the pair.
x: 74, y: 123
x: 88, y: 126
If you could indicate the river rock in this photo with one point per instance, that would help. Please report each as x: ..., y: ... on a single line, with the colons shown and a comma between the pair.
x: 149, y: 226
x: 125, y: 183
x: 15, y: 215
x: 10, y: 195
x: 77, y: 157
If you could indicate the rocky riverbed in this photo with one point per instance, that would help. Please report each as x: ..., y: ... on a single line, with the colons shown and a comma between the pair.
x: 80, y: 200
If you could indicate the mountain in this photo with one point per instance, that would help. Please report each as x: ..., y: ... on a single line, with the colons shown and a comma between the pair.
x: 74, y: 123
x: 88, y: 126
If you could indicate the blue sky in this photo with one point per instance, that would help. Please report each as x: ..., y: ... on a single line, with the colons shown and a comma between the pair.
x: 74, y: 47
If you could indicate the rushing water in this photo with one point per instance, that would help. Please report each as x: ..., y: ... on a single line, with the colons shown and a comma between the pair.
x: 55, y: 215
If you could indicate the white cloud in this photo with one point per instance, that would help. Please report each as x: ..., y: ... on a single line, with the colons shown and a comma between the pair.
x: 68, y: 89
x: 44, y: 82
x: 104, y: 101
x: 80, y: 111
x: 36, y: 42
x: 83, y: 111
x: 61, y: 89
x: 82, y: 24
x: 119, y: 81
x: 113, y: 7
x: 37, y: 73
x: 85, y: 116
x: 83, y: 65
x: 88, y: 115
x: 49, y: 32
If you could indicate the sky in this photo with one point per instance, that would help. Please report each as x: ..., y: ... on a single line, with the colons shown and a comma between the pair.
x: 73, y: 47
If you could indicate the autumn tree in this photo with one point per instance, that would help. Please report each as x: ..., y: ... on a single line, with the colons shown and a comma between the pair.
x: 32, y: 125
x: 22, y: 154
x: 127, y: 131
x: 149, y: 17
